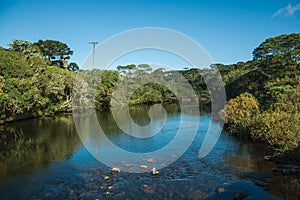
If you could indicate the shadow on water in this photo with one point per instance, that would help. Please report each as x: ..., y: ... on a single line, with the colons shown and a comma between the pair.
x: 45, y: 159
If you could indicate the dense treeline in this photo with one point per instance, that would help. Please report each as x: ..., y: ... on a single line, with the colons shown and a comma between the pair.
x: 33, y: 83
x: 29, y: 87
x: 263, y: 94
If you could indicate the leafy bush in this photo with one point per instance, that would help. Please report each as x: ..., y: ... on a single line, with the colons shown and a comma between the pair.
x: 239, y: 114
x: 279, y: 129
x: 241, y: 108
x: 32, y: 90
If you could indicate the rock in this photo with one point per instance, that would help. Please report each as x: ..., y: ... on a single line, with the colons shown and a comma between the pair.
x: 151, y: 160
x: 239, y: 195
x: 221, y: 190
x: 154, y: 172
x: 145, y: 186
x: 110, y: 187
x: 128, y: 165
x: 115, y: 169
x: 267, y: 157
x: 144, y: 166
x: 106, y: 178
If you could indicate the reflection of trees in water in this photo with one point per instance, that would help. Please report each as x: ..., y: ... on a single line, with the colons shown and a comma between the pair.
x: 35, y: 143
x: 249, y: 157
x: 287, y: 187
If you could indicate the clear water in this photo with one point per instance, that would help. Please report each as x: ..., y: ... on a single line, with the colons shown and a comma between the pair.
x: 45, y: 159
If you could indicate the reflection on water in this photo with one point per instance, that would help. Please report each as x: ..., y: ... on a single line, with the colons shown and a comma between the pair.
x: 249, y: 157
x: 285, y: 186
x: 32, y: 144
x: 44, y: 159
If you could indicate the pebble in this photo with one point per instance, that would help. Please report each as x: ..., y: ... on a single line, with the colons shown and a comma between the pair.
x: 154, y: 172
x: 128, y: 165
x: 106, y: 177
x: 221, y: 190
x: 115, y: 169
x: 110, y: 187
x: 144, y: 166
x: 151, y: 160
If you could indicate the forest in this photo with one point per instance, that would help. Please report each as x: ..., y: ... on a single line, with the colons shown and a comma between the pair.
x: 262, y: 94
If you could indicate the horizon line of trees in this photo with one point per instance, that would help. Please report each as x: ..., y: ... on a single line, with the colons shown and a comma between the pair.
x: 263, y: 93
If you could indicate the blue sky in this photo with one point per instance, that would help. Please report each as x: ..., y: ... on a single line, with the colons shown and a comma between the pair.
x: 228, y: 30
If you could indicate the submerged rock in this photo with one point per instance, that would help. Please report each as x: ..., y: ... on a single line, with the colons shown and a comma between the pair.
x: 115, y: 169
x: 239, y: 195
x: 151, y: 160
x: 154, y: 172
x: 128, y: 165
x: 221, y: 190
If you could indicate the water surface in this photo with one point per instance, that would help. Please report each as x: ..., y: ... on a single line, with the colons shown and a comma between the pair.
x: 45, y: 159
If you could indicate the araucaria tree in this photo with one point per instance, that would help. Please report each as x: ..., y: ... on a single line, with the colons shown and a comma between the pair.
x: 57, y: 52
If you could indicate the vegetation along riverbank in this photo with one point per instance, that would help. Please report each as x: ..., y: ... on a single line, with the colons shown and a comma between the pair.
x: 263, y: 93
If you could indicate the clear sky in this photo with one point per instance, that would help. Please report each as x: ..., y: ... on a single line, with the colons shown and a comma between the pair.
x: 228, y: 29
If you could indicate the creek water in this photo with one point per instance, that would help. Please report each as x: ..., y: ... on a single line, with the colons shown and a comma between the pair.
x: 45, y: 159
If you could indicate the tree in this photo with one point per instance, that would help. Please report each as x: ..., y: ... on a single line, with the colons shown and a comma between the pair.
x: 27, y: 49
x: 287, y: 45
x: 144, y: 67
x: 126, y: 69
x: 73, y: 67
x: 55, y: 51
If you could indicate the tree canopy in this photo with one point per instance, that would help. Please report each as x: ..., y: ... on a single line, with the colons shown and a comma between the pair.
x: 54, y: 50
x: 287, y: 45
x: 27, y: 49
x: 126, y: 69
x: 73, y: 67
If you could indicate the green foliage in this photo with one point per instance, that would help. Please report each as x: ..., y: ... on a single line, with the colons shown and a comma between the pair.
x: 240, y: 112
x: 278, y: 129
x: 147, y: 94
x: 73, y: 67
x: 27, y: 49
x: 2, y: 81
x: 263, y: 93
x: 32, y: 90
x: 126, y: 69
x: 275, y: 82
x: 241, y: 108
x: 12, y: 65
x: 55, y: 51
x: 105, y: 88
x: 286, y: 45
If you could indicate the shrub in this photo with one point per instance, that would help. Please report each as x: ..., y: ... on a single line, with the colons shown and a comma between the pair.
x: 279, y: 129
x: 239, y: 114
x: 241, y: 108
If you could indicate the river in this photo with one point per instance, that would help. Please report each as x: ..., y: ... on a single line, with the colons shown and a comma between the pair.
x: 45, y: 159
